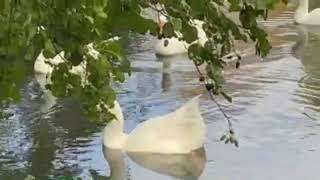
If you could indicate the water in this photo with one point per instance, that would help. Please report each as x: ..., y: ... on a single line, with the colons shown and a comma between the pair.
x: 275, y: 113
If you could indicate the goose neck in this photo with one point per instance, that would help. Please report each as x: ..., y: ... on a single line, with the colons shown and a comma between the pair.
x: 114, y: 137
x: 302, y: 11
x: 303, y: 7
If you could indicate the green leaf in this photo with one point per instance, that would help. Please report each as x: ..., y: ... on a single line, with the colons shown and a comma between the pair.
x: 197, y: 9
x: 90, y: 19
x: 29, y: 27
x: 49, y: 50
x: 234, y: 5
x: 189, y: 32
x: 177, y: 24
x: 99, y: 11
x: 215, y: 73
x: 223, y: 137
x: 168, y: 30
x: 225, y: 95
x: 76, y: 57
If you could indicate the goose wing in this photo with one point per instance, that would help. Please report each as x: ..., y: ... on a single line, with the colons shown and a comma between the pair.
x: 313, y: 17
x: 178, y: 132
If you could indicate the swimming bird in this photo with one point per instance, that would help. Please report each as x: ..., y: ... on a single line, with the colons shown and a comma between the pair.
x: 303, y: 16
x: 178, y: 132
x: 173, y: 46
x: 43, y: 69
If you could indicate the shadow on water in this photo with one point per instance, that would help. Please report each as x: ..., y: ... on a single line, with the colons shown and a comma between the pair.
x: 45, y: 137
x: 57, y: 141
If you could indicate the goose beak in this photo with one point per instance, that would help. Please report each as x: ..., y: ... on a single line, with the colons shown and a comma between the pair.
x: 161, y: 24
x: 162, y: 20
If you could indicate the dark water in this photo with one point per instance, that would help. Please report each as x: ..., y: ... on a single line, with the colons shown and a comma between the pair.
x: 276, y: 115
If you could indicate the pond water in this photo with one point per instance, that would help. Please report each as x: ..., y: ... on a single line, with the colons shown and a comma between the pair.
x: 276, y: 116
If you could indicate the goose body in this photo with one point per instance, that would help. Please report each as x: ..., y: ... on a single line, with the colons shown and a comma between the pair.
x: 41, y: 67
x: 303, y: 16
x: 48, y: 99
x: 43, y: 72
x: 179, y: 132
x: 172, y: 46
x: 42, y: 75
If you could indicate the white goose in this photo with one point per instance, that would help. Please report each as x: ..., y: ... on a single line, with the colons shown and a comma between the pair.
x: 303, y: 16
x: 43, y: 73
x: 41, y: 67
x: 179, y: 132
x: 44, y: 70
x: 172, y: 46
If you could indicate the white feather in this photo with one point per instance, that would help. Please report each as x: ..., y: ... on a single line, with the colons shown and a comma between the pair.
x: 303, y: 16
x: 179, y: 132
x: 172, y: 46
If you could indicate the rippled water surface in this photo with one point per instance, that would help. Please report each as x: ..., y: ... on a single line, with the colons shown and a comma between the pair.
x: 276, y: 115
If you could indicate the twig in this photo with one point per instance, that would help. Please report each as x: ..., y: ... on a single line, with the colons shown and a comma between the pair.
x: 218, y: 105
x: 159, y: 11
x: 312, y: 118
x: 197, y: 67
x: 10, y: 26
x: 223, y: 112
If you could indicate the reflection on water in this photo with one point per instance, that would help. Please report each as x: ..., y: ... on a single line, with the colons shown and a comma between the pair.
x: 116, y: 163
x: 48, y: 99
x: 307, y: 50
x: 277, y: 140
x: 187, y: 166
x: 169, y: 67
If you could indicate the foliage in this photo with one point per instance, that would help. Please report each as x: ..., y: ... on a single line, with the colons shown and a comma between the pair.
x: 55, y: 26
x: 29, y: 177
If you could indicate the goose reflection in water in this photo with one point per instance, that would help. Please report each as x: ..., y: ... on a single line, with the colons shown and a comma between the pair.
x: 306, y: 50
x: 171, y: 65
x: 181, y: 166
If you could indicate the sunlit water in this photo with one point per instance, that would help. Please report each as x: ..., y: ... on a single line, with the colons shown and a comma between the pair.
x: 275, y: 113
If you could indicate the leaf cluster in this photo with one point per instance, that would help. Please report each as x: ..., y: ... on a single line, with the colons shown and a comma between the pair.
x: 55, y: 26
